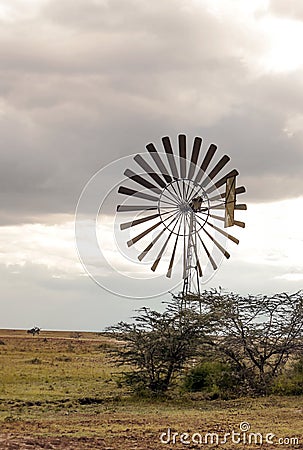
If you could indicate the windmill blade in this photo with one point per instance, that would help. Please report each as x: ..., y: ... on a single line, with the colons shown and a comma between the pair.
x: 158, y: 161
x: 208, y: 157
x: 236, y: 222
x: 219, y: 183
x: 153, y: 227
x: 241, y: 206
x: 129, y: 208
x: 144, y: 233
x: 170, y: 156
x: 219, y: 246
x: 173, y: 197
x: 229, y: 236
x: 172, y: 163
x: 232, y: 173
x: 138, y: 179
x: 131, y: 192
x: 194, y: 157
x: 171, y: 263
x: 199, y: 268
x: 133, y: 223
x: 239, y: 190
x: 214, y: 172
x: 149, y: 170
x: 157, y: 260
x: 206, y: 161
x: 150, y: 246
x: 182, y: 154
x: 212, y: 261
x: 165, y: 192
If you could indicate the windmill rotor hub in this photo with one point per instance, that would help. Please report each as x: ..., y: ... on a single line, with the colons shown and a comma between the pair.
x: 184, y: 207
x: 179, y: 199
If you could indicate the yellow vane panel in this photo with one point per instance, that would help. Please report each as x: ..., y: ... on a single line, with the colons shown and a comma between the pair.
x: 230, y: 200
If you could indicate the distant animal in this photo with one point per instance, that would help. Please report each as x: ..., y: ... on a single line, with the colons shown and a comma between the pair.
x: 34, y: 331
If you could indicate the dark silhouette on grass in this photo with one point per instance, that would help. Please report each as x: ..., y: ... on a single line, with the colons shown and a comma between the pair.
x: 34, y: 331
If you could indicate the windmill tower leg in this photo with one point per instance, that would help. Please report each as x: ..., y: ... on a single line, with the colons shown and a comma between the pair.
x: 191, y: 282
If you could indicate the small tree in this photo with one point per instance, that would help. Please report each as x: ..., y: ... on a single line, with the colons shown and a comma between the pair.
x: 257, y: 333
x: 157, y: 345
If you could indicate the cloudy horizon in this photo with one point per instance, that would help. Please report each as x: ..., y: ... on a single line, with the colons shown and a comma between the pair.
x: 87, y: 82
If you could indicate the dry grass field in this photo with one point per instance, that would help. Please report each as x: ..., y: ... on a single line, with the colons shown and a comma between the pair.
x: 60, y: 390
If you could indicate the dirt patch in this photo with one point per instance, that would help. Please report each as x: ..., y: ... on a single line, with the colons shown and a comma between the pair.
x: 9, y: 442
x: 59, y: 443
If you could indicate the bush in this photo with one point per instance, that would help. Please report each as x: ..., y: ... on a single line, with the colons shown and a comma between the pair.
x: 258, y: 333
x: 136, y: 383
x: 215, y: 377
x: 157, y: 346
x: 291, y: 381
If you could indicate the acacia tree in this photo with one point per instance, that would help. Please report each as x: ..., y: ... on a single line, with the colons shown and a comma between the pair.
x: 257, y: 333
x: 157, y: 345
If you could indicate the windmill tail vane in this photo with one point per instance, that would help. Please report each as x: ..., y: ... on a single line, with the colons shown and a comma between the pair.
x: 182, y: 203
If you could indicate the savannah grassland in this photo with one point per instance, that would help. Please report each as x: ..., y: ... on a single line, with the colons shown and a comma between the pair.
x: 61, y: 391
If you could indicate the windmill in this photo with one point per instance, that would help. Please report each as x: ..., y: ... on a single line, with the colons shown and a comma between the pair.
x: 182, y: 203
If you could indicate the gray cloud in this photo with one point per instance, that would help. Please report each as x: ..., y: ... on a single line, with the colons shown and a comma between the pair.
x: 86, y: 82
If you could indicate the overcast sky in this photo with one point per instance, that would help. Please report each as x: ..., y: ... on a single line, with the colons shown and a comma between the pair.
x: 85, y: 82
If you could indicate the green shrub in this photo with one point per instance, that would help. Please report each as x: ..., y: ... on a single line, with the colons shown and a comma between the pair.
x: 291, y: 381
x: 214, y: 377
x: 136, y: 383
x: 285, y: 385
